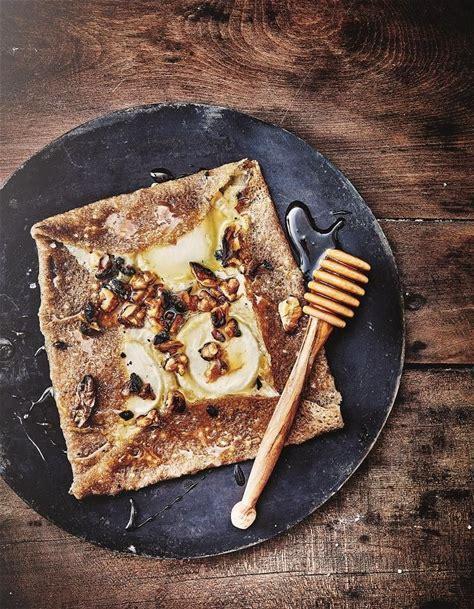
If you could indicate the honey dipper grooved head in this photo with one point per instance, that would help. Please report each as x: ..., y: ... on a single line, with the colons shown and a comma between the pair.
x: 337, y: 280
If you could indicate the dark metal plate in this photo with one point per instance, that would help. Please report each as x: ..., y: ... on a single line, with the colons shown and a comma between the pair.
x: 114, y: 154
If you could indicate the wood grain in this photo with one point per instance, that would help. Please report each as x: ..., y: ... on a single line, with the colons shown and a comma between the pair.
x: 382, y: 88
x: 406, y: 509
x: 435, y: 260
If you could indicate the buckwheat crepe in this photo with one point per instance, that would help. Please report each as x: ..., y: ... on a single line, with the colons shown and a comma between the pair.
x: 160, y: 315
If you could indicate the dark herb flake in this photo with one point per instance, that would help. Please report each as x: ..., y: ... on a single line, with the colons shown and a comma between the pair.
x: 239, y: 475
x: 136, y: 383
x: 89, y: 312
x: 89, y: 330
x: 126, y: 415
x: 212, y: 411
x: 161, y: 337
x: 60, y: 345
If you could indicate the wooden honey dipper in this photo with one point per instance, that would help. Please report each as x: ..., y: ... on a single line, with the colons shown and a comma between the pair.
x: 331, y: 297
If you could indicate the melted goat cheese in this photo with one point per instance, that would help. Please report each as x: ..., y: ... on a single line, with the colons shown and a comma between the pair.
x: 171, y: 262
x: 143, y: 359
x: 246, y: 355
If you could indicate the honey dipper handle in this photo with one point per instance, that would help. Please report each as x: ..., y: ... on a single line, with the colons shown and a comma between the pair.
x: 244, y: 513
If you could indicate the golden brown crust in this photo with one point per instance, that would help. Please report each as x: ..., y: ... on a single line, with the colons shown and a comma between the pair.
x: 105, y: 459
x: 138, y: 220
x: 194, y: 440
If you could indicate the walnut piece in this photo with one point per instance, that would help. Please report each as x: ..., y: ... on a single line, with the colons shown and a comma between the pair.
x: 177, y: 363
x: 106, y: 268
x: 209, y: 351
x: 136, y: 386
x: 151, y: 419
x: 218, y: 335
x: 91, y: 330
x: 231, y: 328
x: 229, y: 288
x: 206, y: 302
x: 190, y: 300
x: 108, y: 301
x: 146, y: 392
x: 217, y: 368
x: 174, y: 402
x: 177, y: 323
x: 169, y: 346
x: 218, y: 315
x: 133, y: 315
x: 138, y: 295
x: 204, y: 275
x: 231, y: 245
x: 155, y: 308
x: 140, y: 281
x: 290, y: 313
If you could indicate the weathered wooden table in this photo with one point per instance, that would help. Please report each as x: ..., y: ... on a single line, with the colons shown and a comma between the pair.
x: 382, y: 89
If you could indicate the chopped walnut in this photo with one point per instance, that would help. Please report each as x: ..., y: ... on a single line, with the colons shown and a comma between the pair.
x: 169, y: 346
x: 233, y: 285
x: 90, y: 330
x: 133, y: 315
x: 237, y: 263
x: 231, y: 329
x: 218, y: 315
x: 232, y: 236
x: 204, y: 275
x: 178, y: 302
x: 133, y: 386
x: 164, y: 296
x: 217, y: 295
x: 218, y: 335
x: 138, y: 296
x: 119, y: 288
x: 136, y: 386
x: 151, y: 419
x: 106, y: 268
x: 177, y: 324
x: 217, y: 368
x: 205, y: 301
x: 229, y: 288
x: 108, y: 301
x: 174, y: 402
x: 176, y: 363
x: 155, y: 308
x: 157, y: 326
x: 140, y: 281
x: 231, y: 245
x: 209, y: 351
x: 146, y: 392
x: 190, y: 300
x: 290, y: 312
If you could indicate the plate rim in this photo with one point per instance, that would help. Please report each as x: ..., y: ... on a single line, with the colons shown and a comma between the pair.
x: 120, y: 114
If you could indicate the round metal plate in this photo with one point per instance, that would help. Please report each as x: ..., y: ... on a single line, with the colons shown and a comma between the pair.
x: 114, y: 154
